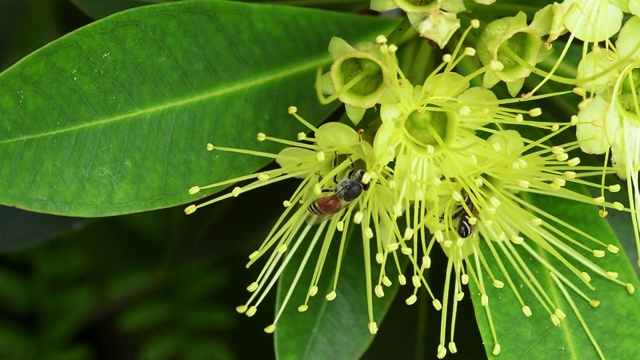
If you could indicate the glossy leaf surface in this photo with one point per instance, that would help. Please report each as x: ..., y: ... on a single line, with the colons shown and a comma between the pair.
x: 114, y: 118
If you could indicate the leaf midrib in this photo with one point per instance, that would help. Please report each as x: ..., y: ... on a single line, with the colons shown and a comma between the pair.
x: 181, y: 102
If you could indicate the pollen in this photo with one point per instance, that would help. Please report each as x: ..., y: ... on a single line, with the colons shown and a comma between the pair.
x: 261, y: 136
x: 303, y: 308
x: 252, y: 287
x: 408, y: 233
x: 574, y: 162
x: 236, y: 191
x: 190, y: 209
x: 379, y: 291
x: 331, y: 296
x: 210, y: 147
x: 526, y: 310
x: 496, y: 350
x: 437, y: 304
x: 368, y: 232
x: 313, y: 291
x: 357, y: 217
x: 630, y: 288
x: 373, y: 328
x: 426, y: 264
x: 270, y: 329
x: 366, y: 178
x: 292, y: 110
x: 402, y: 280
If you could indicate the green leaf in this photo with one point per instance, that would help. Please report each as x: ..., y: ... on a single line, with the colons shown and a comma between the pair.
x: 113, y: 118
x: 329, y: 329
x: 101, y: 8
x: 614, y: 324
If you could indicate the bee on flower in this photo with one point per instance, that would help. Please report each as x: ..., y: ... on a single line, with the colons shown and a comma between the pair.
x: 459, y: 169
x: 340, y: 188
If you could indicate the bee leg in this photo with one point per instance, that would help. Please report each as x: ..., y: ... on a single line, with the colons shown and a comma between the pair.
x: 335, y: 165
x: 352, y: 168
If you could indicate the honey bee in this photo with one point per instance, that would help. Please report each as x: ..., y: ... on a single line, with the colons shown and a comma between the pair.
x: 346, y: 191
x: 464, y: 228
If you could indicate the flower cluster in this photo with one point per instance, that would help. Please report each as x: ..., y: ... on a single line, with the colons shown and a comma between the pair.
x: 451, y: 165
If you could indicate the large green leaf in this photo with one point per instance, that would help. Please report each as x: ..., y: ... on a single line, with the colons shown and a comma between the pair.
x: 114, y: 118
x: 614, y: 324
x: 101, y: 8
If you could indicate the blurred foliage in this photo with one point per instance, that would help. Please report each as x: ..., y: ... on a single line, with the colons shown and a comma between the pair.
x: 115, y: 290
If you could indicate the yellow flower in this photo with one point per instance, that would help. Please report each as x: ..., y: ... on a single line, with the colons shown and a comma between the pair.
x: 342, y: 184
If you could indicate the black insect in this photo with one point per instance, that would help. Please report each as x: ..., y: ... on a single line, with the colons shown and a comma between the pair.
x: 464, y: 228
x: 347, y: 190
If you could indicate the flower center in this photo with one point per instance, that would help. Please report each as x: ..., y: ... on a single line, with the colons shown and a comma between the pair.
x: 523, y: 45
x: 433, y: 128
x: 373, y: 76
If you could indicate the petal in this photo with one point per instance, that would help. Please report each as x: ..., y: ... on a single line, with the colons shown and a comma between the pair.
x: 578, y: 18
x: 597, y: 125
